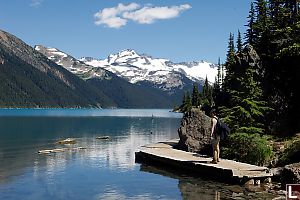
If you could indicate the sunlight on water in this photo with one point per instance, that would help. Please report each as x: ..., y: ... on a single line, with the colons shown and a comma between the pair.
x: 106, y: 169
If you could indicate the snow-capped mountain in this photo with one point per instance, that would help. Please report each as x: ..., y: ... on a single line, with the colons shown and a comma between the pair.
x: 161, y: 72
x: 72, y: 64
x: 136, y: 68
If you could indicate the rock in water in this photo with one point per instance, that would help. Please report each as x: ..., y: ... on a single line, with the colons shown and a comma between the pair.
x: 194, y: 132
x: 67, y: 141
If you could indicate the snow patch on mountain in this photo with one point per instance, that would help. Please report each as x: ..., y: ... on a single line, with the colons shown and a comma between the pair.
x: 135, y: 68
x: 70, y: 63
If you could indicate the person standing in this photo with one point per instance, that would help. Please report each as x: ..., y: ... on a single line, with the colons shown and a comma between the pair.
x: 215, y: 138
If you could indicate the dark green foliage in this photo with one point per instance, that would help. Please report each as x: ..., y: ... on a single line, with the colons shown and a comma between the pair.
x: 207, y: 94
x: 263, y: 96
x: 196, y: 99
x: 230, y: 80
x: 250, y: 34
x: 186, y: 103
x: 278, y: 40
x: 246, y: 109
x: 127, y: 95
x: 291, y: 154
x: 239, y: 43
x: 230, y: 52
x: 249, y: 148
x: 23, y: 85
x: 274, y: 32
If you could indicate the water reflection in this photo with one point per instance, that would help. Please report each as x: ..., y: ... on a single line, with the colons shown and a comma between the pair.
x: 192, y: 188
x: 22, y: 137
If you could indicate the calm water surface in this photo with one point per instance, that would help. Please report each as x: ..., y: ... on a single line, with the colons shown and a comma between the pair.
x: 105, y: 170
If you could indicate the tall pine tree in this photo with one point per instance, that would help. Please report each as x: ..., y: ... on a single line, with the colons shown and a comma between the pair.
x: 239, y: 44
x: 250, y: 34
x: 245, y: 113
x: 196, y: 101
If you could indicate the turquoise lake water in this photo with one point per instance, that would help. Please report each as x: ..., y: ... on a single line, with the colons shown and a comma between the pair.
x: 106, y: 169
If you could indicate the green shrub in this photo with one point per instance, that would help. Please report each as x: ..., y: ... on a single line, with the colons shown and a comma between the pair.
x: 291, y: 154
x: 248, y: 148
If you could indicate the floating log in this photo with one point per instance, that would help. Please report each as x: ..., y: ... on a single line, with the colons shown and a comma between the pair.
x: 103, y: 137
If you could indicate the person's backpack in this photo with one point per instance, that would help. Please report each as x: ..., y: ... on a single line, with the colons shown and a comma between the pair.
x: 222, y: 129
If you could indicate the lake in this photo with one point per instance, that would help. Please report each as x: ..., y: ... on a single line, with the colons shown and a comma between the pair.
x: 106, y: 169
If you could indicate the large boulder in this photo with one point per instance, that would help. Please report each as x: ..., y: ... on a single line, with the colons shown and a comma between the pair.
x: 248, y: 57
x: 291, y: 174
x: 194, y: 132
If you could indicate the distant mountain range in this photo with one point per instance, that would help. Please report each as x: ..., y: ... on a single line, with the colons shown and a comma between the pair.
x: 162, y: 73
x: 48, y: 77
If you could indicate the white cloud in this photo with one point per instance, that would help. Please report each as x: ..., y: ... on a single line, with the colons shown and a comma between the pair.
x: 112, y: 16
x: 148, y: 15
x: 118, y: 16
x: 36, y: 3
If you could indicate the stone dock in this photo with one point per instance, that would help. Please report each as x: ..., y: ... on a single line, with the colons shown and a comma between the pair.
x: 164, y: 154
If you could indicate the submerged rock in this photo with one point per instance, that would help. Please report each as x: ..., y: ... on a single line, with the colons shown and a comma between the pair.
x: 67, y: 141
x: 194, y: 132
x: 49, y: 151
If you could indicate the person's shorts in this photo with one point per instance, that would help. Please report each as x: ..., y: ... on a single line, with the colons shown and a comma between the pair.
x: 214, y: 141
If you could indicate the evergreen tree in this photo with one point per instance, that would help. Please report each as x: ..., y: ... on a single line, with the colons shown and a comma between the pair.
x: 279, y: 50
x: 188, y: 102
x: 205, y: 89
x: 246, y: 110
x: 261, y: 28
x: 230, y: 78
x: 250, y: 34
x: 195, y: 96
x: 239, y: 42
x: 207, y: 94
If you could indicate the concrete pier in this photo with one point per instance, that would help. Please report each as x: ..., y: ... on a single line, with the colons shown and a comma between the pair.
x: 164, y: 154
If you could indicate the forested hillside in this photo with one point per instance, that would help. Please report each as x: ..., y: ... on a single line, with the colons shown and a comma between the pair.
x: 28, y: 79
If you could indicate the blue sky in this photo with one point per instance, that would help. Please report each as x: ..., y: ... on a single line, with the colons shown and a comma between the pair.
x: 190, y: 30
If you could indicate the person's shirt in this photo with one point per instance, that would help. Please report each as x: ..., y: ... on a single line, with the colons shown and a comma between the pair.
x: 213, y: 125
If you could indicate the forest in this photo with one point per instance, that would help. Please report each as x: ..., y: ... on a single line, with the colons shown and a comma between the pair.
x: 256, y: 91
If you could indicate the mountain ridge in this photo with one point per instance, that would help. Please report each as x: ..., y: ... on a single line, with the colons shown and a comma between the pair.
x: 29, y: 79
x: 120, y: 91
x: 140, y: 67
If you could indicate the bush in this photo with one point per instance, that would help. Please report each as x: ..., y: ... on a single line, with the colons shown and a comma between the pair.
x: 248, y: 148
x: 291, y: 154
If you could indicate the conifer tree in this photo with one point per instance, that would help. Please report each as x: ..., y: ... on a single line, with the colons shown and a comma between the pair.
x: 230, y: 78
x: 246, y: 110
x: 250, y: 34
x: 195, y: 96
x: 187, y: 103
x: 239, y: 42
x: 261, y: 28
x: 205, y: 89
x: 207, y: 93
